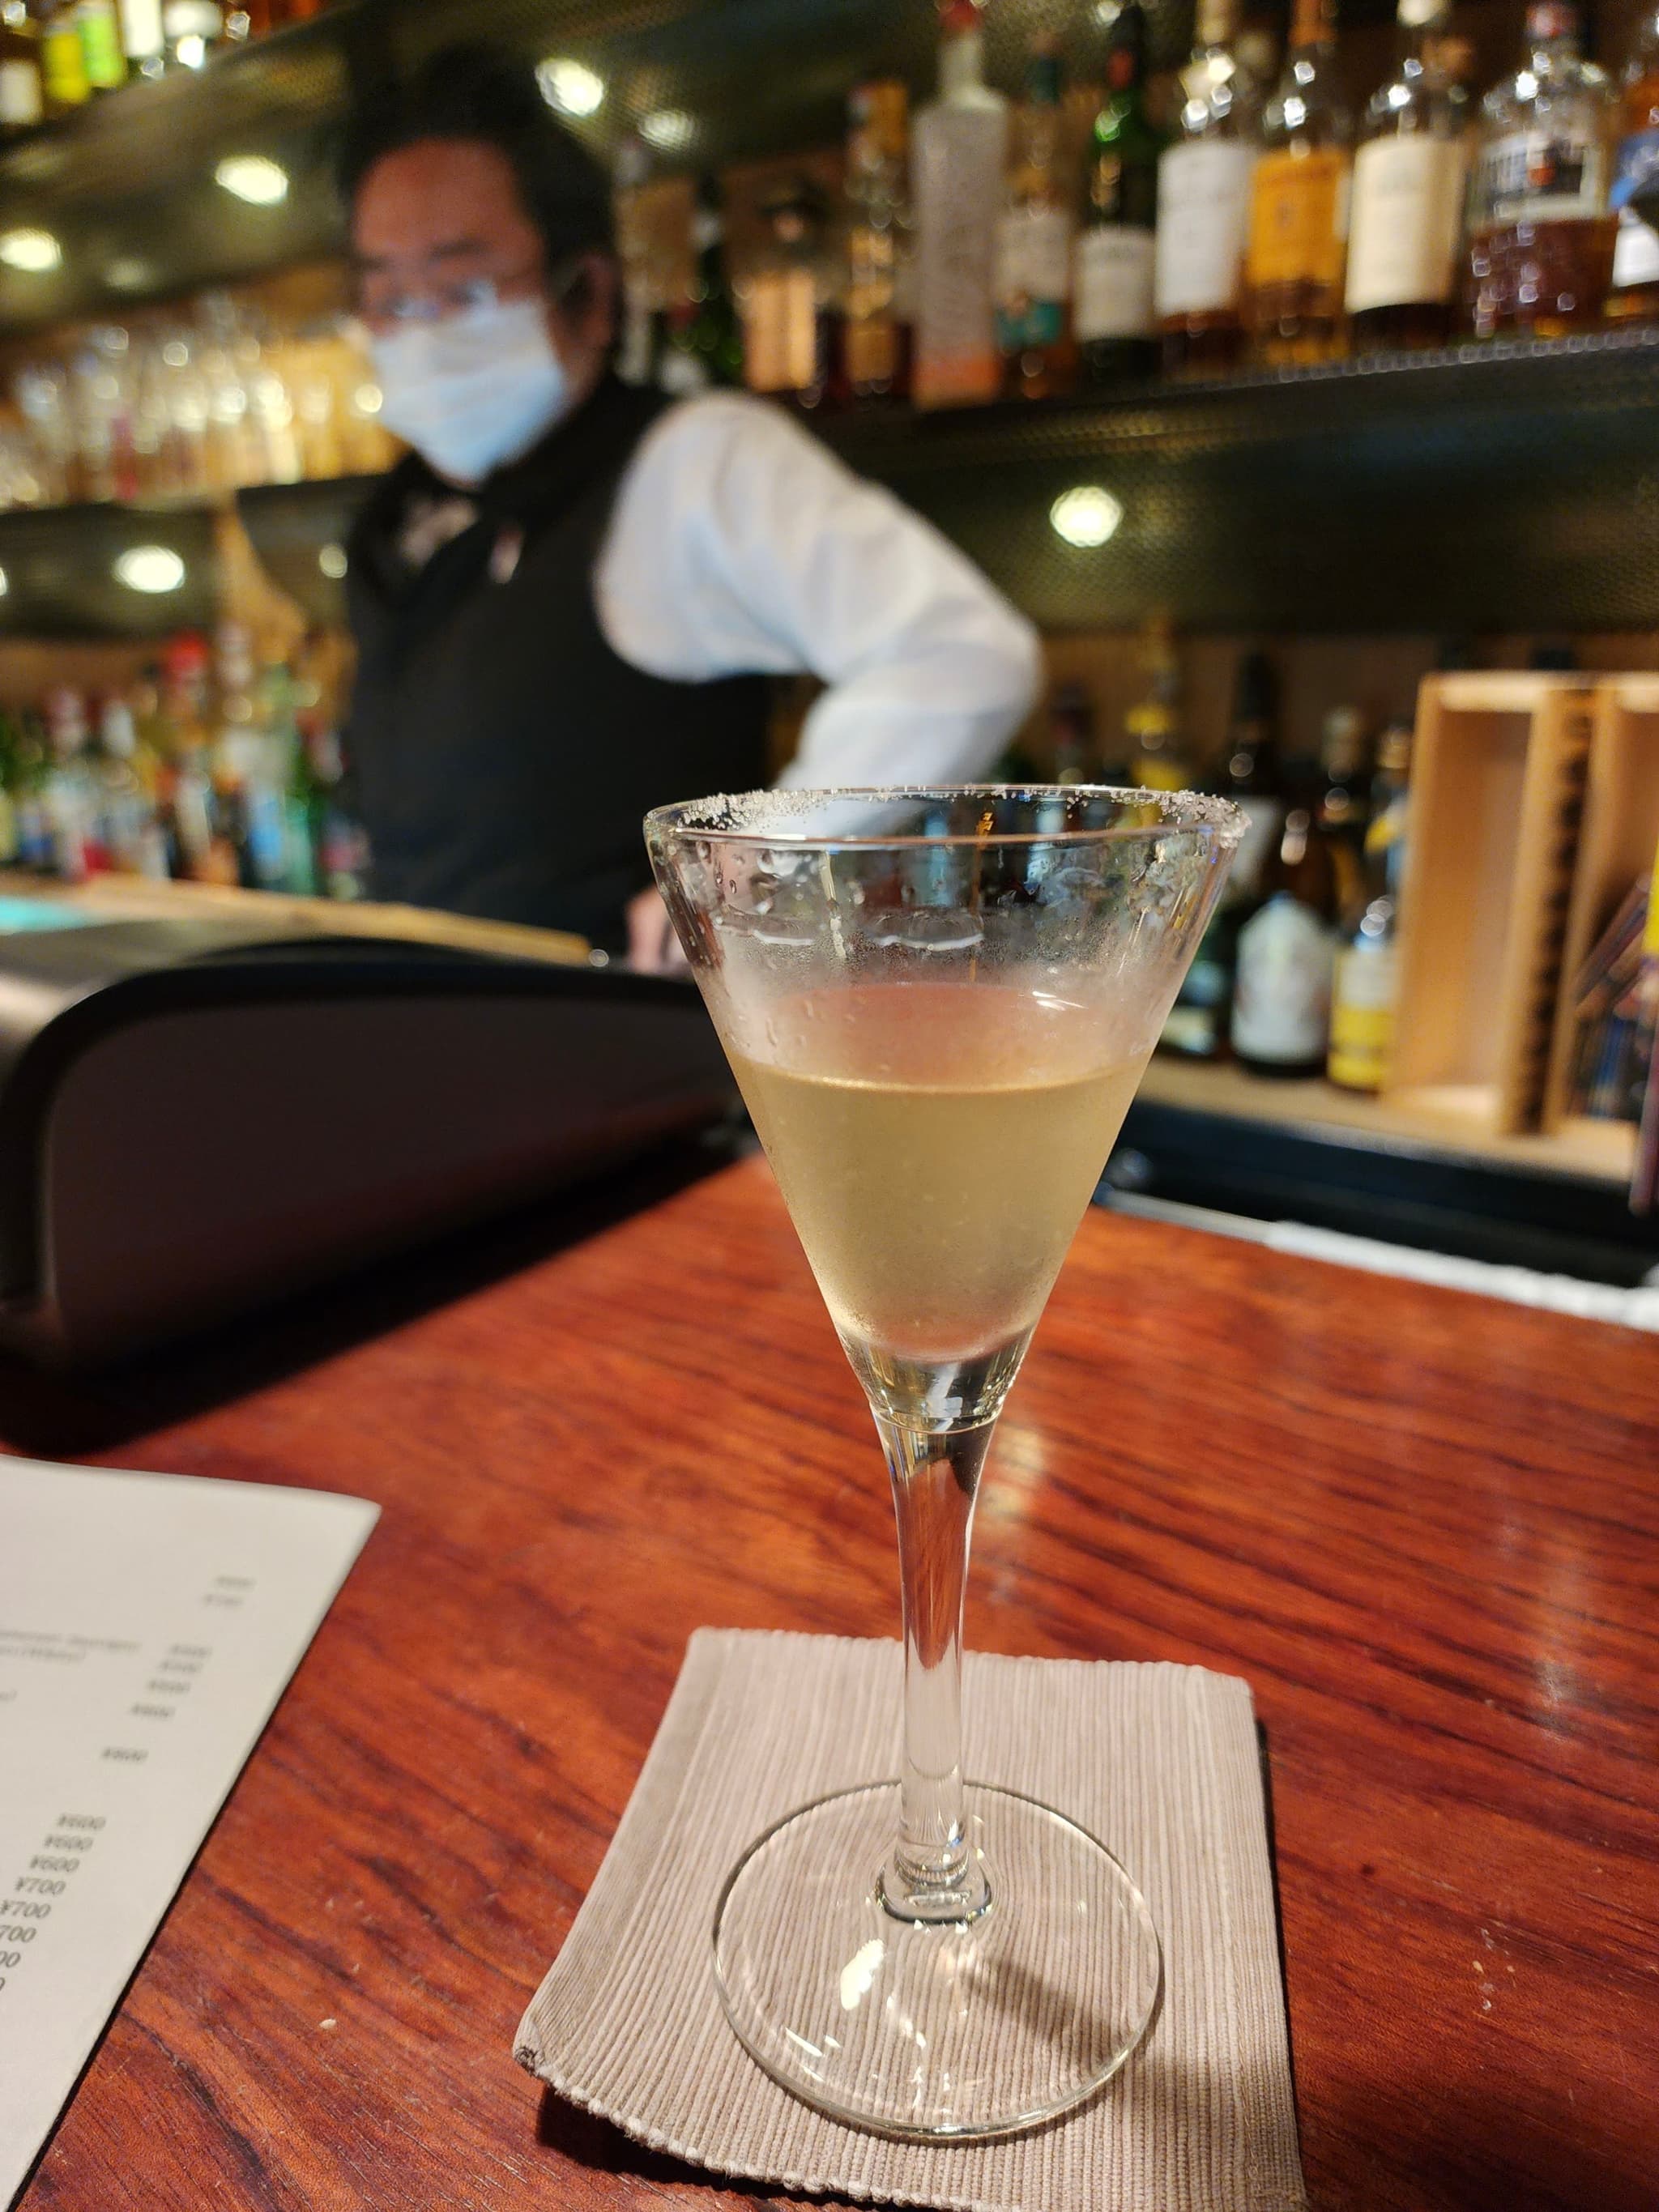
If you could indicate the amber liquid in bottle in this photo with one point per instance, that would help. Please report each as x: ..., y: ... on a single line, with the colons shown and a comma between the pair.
x: 1297, y: 259
x: 1541, y: 232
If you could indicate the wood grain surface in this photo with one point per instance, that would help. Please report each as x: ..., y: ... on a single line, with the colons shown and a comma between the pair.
x: 1424, y: 1526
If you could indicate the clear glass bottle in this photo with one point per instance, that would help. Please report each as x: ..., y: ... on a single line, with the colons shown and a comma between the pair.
x: 1203, y: 206
x: 1295, y: 262
x: 1540, y: 230
x: 1633, y: 296
x: 1115, y: 317
x: 959, y: 155
x: 1034, y: 239
x: 1408, y: 186
x: 879, y: 242
x: 1286, y: 950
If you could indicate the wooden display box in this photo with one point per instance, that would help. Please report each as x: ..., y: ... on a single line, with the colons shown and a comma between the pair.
x: 1498, y: 776
x: 1618, y: 834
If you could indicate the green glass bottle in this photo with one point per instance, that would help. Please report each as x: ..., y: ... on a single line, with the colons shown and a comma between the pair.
x: 1114, y: 313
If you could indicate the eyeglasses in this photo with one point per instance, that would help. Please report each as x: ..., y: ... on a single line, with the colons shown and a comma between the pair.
x: 442, y: 303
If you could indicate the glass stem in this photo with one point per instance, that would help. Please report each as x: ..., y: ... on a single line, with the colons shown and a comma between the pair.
x: 931, y: 1873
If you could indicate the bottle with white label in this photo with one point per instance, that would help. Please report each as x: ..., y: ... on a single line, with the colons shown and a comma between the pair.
x: 1408, y: 185
x: 1286, y: 950
x: 142, y: 39
x: 1035, y: 232
x: 959, y: 152
x: 22, y: 100
x: 1634, y: 296
x: 1203, y: 206
x: 1540, y: 243
x: 1113, y: 311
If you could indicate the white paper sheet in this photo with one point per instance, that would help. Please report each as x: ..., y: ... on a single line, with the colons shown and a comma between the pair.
x: 148, y: 1623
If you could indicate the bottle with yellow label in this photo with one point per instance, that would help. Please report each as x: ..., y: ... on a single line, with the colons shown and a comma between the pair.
x: 1363, y: 996
x: 1297, y: 255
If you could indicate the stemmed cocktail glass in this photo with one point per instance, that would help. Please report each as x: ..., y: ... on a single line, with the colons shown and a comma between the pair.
x: 937, y: 1005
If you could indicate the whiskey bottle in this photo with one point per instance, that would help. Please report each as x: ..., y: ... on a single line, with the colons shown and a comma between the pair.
x: 1033, y: 240
x: 877, y: 326
x: 1540, y: 230
x: 1294, y: 264
x: 1408, y: 183
x: 1203, y: 206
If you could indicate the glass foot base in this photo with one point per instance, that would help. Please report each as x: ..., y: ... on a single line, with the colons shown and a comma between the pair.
x: 931, y: 2032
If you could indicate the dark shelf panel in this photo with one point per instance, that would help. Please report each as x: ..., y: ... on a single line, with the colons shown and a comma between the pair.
x: 59, y: 568
x: 1511, y: 487
x: 295, y: 527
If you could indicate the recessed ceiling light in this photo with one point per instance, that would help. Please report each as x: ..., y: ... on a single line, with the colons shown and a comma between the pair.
x: 252, y: 178
x: 35, y: 250
x: 1086, y: 515
x: 571, y: 87
x: 669, y: 130
x: 153, y: 568
x: 368, y: 398
x: 332, y: 561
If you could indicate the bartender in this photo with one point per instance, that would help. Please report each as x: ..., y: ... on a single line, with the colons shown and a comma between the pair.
x: 568, y: 597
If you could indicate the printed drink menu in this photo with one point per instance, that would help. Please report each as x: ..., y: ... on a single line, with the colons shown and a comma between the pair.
x: 149, y: 1625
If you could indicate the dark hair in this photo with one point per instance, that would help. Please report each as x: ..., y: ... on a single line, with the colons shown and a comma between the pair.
x: 482, y: 95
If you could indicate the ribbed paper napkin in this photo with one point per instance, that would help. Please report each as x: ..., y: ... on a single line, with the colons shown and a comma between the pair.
x: 1158, y: 1761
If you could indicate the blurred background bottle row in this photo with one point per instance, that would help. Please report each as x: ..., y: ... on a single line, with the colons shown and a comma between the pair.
x: 190, y: 403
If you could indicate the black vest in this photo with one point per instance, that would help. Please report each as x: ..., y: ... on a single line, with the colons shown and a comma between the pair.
x: 501, y: 754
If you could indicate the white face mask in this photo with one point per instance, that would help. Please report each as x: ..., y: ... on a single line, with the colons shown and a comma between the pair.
x: 475, y: 390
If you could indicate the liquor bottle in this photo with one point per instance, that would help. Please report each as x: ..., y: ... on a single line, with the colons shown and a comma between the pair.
x: 1251, y: 776
x: 1341, y: 815
x: 1363, y: 991
x: 1195, y: 1027
x: 959, y: 152
x: 63, y: 61
x: 22, y: 99
x: 703, y: 336
x: 142, y: 39
x: 1072, y: 732
x: 1034, y: 239
x: 1203, y: 206
x: 789, y: 304
x: 97, y: 26
x: 878, y: 273
x: 1540, y: 233
x: 1390, y: 796
x: 1408, y: 183
x: 191, y: 29
x: 1157, y: 758
x: 1294, y: 263
x: 1282, y: 989
x: 1634, y: 296
x: 1115, y: 322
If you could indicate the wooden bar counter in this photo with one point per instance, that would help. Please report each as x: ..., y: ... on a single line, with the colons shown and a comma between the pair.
x: 1424, y: 1527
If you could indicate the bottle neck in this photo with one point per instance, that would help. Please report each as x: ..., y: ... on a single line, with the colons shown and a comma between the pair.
x: 1553, y: 35
x: 961, y: 63
x: 1312, y: 27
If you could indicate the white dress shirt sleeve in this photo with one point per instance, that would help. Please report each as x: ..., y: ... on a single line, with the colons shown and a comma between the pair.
x: 737, y: 542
